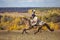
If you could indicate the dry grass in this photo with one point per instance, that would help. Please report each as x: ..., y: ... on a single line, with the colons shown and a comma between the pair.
x: 17, y: 19
x: 44, y: 35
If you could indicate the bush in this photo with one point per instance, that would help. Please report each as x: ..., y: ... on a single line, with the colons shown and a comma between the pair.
x: 7, y: 18
x: 1, y: 28
x: 54, y: 18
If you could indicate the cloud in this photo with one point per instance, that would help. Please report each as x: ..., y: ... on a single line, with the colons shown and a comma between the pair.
x: 8, y: 0
x: 39, y: 0
x: 29, y: 3
x: 31, y: 0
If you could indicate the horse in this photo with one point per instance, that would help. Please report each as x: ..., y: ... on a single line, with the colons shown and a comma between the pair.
x: 27, y: 21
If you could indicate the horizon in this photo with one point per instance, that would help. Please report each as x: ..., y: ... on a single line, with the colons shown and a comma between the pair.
x: 23, y: 9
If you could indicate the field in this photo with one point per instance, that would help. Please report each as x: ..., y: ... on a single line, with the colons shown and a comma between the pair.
x: 10, y: 28
x: 16, y: 35
x: 11, y: 21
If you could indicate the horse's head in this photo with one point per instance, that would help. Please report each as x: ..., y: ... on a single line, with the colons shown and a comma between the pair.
x: 25, y: 21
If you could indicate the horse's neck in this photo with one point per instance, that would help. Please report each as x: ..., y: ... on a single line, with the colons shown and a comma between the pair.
x: 29, y: 22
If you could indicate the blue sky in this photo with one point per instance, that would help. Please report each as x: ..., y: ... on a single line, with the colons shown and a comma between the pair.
x: 29, y: 3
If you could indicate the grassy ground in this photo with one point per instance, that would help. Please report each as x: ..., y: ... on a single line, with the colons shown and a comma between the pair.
x: 44, y: 35
x: 16, y: 35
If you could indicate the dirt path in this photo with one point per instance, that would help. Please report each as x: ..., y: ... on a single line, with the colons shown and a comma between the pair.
x: 44, y: 35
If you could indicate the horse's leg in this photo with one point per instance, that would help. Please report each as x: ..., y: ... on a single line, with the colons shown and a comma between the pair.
x: 23, y: 31
x: 48, y: 27
x: 38, y: 30
x: 27, y: 29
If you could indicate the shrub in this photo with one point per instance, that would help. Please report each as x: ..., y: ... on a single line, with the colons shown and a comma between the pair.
x: 54, y: 18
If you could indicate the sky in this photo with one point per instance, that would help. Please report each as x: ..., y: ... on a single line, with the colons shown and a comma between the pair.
x: 29, y: 3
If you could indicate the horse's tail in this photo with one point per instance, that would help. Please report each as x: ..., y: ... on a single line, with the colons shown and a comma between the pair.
x: 48, y: 27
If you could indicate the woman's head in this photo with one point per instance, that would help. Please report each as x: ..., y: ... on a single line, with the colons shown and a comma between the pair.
x: 33, y: 10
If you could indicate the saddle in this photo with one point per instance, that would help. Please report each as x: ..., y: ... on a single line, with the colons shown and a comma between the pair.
x: 40, y: 22
x: 36, y: 24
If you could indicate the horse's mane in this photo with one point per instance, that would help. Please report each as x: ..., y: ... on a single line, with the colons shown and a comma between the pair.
x: 28, y: 21
x: 25, y: 18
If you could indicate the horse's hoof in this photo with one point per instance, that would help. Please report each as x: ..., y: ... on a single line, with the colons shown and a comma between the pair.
x: 8, y: 31
x: 35, y: 33
x: 22, y: 33
x: 26, y: 32
x: 52, y: 30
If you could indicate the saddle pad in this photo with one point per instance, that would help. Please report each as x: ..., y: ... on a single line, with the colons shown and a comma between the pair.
x: 41, y: 23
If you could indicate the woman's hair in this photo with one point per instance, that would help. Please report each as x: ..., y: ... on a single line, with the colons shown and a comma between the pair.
x: 33, y: 10
x: 33, y: 15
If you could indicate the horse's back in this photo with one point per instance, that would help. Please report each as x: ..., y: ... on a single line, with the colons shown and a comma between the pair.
x: 42, y: 23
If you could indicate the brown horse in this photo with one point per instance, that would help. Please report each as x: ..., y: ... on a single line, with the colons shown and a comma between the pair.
x: 28, y: 22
